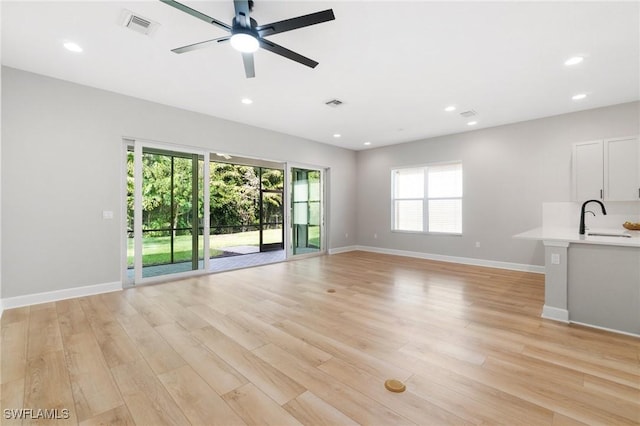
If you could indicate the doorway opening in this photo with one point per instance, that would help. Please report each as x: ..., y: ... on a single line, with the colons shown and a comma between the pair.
x: 246, y: 212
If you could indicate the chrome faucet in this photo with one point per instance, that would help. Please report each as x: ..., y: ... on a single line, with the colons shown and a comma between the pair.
x: 582, y: 212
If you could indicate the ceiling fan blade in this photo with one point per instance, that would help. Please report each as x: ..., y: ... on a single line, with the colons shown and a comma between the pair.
x: 197, y: 14
x: 289, y: 54
x: 249, y: 69
x: 242, y: 13
x: 200, y: 45
x: 295, y: 23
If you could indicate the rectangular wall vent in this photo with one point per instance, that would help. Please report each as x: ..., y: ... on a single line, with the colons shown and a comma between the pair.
x: 137, y: 23
x: 334, y: 103
x: 467, y: 114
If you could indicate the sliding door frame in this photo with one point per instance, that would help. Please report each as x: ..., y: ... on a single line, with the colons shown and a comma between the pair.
x: 324, y: 196
x: 138, y: 146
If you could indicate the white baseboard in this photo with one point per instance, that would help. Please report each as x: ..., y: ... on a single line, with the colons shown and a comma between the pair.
x: 626, y: 333
x: 53, y: 296
x: 343, y: 249
x: 556, y: 314
x: 455, y: 259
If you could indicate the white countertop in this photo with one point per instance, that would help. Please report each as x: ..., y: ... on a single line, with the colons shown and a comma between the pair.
x: 571, y: 235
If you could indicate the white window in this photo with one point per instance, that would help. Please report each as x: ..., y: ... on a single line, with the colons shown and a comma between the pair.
x: 427, y: 199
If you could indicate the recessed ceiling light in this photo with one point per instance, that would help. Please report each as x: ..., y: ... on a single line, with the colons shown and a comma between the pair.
x: 450, y: 108
x: 472, y: 123
x: 72, y: 47
x: 246, y: 101
x: 337, y: 135
x: 367, y: 143
x: 579, y: 96
x: 575, y: 60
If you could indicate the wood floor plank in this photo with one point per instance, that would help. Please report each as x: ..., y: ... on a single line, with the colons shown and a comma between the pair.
x: 93, y: 388
x: 44, y: 331
x: 447, y: 381
x: 11, y: 398
x: 268, y: 333
x: 13, y: 351
x: 117, y: 304
x: 118, y: 416
x: 72, y: 319
x: 160, y: 356
x: 311, y: 410
x: 117, y: 346
x: 47, y: 386
x: 409, y: 404
x: 15, y: 315
x: 152, y: 313
x: 271, y: 341
x: 242, y: 335
x: 182, y: 316
x: 267, y: 311
x: 256, y: 408
x: 341, y: 350
x: 269, y: 380
x: 344, y: 398
x: 199, y: 402
x: 620, y: 373
x: 146, y: 398
x: 604, y: 386
x: 216, y: 372
x: 536, y: 392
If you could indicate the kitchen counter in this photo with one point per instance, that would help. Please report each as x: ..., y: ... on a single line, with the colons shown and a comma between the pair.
x: 571, y: 235
x: 591, y: 280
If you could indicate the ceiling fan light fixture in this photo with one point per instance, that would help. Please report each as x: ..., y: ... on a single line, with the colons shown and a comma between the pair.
x: 245, y: 43
x: 72, y: 47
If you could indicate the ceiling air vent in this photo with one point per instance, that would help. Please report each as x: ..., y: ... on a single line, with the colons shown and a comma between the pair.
x: 334, y: 103
x: 467, y: 114
x: 138, y: 23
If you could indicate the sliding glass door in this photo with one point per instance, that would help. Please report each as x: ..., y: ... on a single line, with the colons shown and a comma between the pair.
x: 307, y: 211
x: 165, y: 210
x: 271, y: 209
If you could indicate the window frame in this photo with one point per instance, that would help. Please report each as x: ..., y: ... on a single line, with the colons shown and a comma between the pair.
x: 425, y: 198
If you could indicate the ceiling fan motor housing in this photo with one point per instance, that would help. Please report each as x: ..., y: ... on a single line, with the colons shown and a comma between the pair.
x: 237, y: 28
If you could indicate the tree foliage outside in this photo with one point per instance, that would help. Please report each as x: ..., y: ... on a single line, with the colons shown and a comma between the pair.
x: 235, y: 190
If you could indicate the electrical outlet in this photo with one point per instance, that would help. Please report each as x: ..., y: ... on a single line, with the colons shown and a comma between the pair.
x: 477, y: 244
x: 346, y: 235
x: 555, y: 259
x: 375, y: 236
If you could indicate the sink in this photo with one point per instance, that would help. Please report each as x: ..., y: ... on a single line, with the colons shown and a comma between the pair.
x: 608, y: 234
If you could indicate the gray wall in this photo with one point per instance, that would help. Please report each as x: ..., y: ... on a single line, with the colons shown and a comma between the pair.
x: 508, y: 172
x: 61, y: 167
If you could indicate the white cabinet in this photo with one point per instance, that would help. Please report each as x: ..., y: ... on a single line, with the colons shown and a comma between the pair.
x: 622, y: 169
x: 587, y: 167
x: 606, y: 170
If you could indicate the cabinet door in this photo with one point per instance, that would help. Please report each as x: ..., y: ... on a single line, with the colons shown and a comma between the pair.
x: 587, y: 170
x: 622, y: 169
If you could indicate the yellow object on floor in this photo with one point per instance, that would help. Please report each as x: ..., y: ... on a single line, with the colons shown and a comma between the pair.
x: 394, y: 385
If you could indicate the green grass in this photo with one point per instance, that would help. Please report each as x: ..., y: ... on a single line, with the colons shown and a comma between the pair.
x: 157, y: 250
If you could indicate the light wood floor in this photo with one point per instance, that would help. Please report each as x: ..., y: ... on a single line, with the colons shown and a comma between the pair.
x: 270, y: 345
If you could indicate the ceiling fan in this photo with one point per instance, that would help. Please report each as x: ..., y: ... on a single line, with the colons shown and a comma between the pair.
x: 247, y: 36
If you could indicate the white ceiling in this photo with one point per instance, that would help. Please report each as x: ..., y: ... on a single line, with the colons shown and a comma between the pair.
x: 395, y: 65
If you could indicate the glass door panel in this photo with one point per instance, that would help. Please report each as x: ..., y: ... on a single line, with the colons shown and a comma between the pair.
x: 272, y: 222
x: 171, y: 210
x: 307, y: 214
x: 272, y: 209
